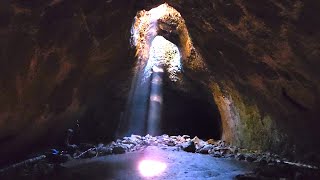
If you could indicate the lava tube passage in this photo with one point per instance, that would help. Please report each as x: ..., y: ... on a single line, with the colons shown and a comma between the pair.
x: 162, y: 98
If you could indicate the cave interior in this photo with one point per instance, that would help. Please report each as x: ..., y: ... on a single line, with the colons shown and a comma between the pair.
x: 78, y: 80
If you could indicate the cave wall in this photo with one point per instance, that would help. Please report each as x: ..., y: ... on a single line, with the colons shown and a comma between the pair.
x: 263, y: 60
x: 262, y: 63
x: 62, y: 61
x: 63, y: 64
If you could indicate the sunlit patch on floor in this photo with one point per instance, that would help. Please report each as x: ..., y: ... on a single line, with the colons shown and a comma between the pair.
x: 151, y: 168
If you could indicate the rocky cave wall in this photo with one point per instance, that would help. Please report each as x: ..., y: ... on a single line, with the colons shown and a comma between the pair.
x: 262, y: 58
x: 63, y: 64
x: 63, y: 61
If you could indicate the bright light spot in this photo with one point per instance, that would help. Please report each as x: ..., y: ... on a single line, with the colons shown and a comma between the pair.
x: 150, y: 168
x: 158, y: 12
x: 164, y: 53
x: 145, y: 27
x: 157, y: 69
x: 156, y: 98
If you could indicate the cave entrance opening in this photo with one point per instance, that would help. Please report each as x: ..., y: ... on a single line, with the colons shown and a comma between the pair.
x: 158, y: 103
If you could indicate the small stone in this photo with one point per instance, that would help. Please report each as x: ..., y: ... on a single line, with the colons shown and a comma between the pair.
x: 211, y: 141
x: 189, y: 146
x: 148, y: 136
x: 91, y: 153
x: 181, y: 139
x: 135, y: 137
x: 170, y: 143
x: 217, y: 155
x: 230, y: 156
x: 174, y: 137
x: 100, y: 145
x: 221, y: 143
x: 225, y: 151
x: 198, y: 142
x: 240, y: 157
x: 250, y: 158
x: 128, y: 146
x: 206, y: 149
x: 71, y: 148
x: 234, y: 150
x: 262, y: 161
x: 186, y: 136
x: 105, y: 151
x: 119, y: 150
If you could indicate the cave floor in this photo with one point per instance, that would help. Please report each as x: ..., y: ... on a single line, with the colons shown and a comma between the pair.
x: 179, y: 165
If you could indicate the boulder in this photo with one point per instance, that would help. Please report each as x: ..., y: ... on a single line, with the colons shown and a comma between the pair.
x: 189, y: 146
x: 205, y: 149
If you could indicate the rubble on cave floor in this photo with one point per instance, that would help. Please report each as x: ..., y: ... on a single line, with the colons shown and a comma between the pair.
x: 269, y: 165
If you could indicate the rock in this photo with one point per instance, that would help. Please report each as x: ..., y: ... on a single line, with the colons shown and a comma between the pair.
x: 188, y: 146
x: 128, y: 146
x: 225, y: 151
x: 129, y: 141
x: 217, y: 155
x: 234, y: 150
x: 148, y: 136
x: 118, y: 150
x: 250, y: 158
x: 198, y: 142
x: 134, y: 139
x: 72, y: 148
x: 206, y: 149
x: 91, y: 153
x: 229, y: 156
x: 240, y: 157
x: 221, y: 143
x: 174, y: 137
x: 170, y: 143
x: 262, y: 160
x: 57, y: 157
x: 211, y: 141
x: 105, y: 151
x: 100, y: 145
x: 186, y: 136
x: 181, y: 139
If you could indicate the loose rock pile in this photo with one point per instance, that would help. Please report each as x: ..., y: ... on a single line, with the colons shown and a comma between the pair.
x: 219, y: 149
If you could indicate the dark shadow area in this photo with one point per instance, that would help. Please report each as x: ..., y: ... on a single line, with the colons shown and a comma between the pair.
x: 192, y: 114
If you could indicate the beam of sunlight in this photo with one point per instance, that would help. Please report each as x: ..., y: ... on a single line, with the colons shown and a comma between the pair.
x: 156, y: 58
x: 151, y: 168
x: 155, y: 101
